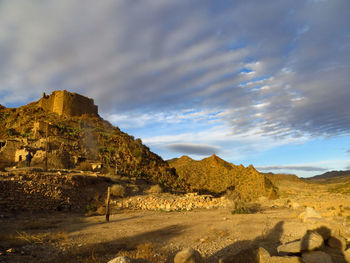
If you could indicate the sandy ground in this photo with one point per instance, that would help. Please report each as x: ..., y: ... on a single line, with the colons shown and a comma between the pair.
x: 156, y: 236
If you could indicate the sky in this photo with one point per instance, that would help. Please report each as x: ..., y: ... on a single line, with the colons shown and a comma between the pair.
x: 254, y: 82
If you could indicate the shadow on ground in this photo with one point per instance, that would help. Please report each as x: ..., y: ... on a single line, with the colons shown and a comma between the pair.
x: 246, y: 251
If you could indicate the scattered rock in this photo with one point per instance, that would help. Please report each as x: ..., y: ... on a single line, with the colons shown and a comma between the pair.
x: 121, y: 259
x: 188, y: 255
x: 294, y: 205
x: 337, y: 241
x: 310, y: 213
x: 310, y: 241
x: 283, y: 260
x: 316, y: 257
x: 10, y: 250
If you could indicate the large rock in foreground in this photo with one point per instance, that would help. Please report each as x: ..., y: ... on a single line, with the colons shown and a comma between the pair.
x: 188, y: 255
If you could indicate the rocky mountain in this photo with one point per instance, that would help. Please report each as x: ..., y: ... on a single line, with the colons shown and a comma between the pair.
x: 216, y: 176
x: 64, y: 130
x: 331, y: 174
x: 277, y: 179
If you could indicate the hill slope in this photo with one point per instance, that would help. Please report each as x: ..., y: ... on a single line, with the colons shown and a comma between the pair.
x: 217, y: 176
x: 84, y: 141
x: 331, y: 174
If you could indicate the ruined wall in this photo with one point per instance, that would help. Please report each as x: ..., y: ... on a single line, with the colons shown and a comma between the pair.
x: 8, y: 153
x: 35, y: 191
x: 70, y: 104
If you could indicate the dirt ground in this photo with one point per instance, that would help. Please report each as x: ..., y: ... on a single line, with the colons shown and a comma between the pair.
x: 156, y: 236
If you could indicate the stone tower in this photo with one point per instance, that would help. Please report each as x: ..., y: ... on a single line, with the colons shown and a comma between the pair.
x: 69, y: 104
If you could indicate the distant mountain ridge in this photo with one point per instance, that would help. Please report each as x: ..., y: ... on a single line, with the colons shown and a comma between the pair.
x: 217, y: 176
x: 331, y: 174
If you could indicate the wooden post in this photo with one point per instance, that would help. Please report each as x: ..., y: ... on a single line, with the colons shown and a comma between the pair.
x: 46, y: 146
x: 107, y: 203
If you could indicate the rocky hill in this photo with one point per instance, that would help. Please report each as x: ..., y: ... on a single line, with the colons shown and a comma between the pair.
x: 278, y: 179
x: 331, y: 174
x: 216, y: 176
x: 64, y: 130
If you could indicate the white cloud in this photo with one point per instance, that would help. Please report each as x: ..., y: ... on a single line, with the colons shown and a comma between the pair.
x: 260, y: 64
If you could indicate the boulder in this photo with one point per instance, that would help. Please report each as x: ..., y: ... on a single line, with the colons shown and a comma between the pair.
x: 295, y: 205
x: 310, y: 213
x: 188, y: 255
x: 284, y: 260
x: 337, y: 241
x: 316, y: 257
x: 347, y: 254
x: 120, y: 259
x: 264, y: 257
x: 310, y: 241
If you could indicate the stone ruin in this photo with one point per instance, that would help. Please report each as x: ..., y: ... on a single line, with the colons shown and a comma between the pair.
x: 13, y: 151
x: 65, y: 103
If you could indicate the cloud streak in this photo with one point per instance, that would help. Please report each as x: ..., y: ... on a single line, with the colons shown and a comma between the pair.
x: 195, y: 149
x: 277, y: 69
x: 292, y: 167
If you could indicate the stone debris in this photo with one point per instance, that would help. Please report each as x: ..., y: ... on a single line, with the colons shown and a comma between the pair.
x: 168, y: 203
x: 188, y: 255
x: 121, y: 259
x: 31, y: 191
x: 312, y: 240
x: 310, y: 214
x: 321, y: 245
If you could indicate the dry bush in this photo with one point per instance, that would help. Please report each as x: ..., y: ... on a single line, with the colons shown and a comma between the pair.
x: 155, y: 189
x: 118, y: 190
x: 11, y: 240
x: 245, y: 208
x: 241, y: 208
x: 84, y: 166
x: 23, y: 238
x: 43, y: 237
x: 101, y: 210
x: 146, y: 251
x: 232, y: 195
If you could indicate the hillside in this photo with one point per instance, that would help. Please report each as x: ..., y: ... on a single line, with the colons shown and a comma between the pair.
x: 65, y: 130
x: 331, y: 174
x: 282, y: 179
x: 214, y: 175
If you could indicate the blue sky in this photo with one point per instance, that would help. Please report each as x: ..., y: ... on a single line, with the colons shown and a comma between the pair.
x: 255, y: 82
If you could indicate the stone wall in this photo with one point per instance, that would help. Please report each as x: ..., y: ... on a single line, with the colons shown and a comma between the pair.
x: 8, y: 152
x: 35, y: 191
x: 70, y: 104
x: 167, y: 202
